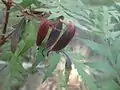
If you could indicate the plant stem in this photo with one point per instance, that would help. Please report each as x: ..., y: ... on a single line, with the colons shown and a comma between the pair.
x: 6, y: 20
x: 8, y: 6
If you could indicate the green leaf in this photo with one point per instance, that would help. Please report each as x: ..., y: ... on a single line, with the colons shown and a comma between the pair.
x: 27, y: 3
x: 98, y: 2
x: 101, y: 65
x: 39, y: 58
x: 98, y: 48
x: 76, y: 56
x: 109, y: 85
x: 20, y: 47
x: 16, y: 64
x: 29, y: 37
x: 118, y: 62
x: 72, y: 5
x: 17, y: 34
x: 16, y: 74
x: 53, y: 61
x: 85, y: 76
x: 18, y: 1
x: 4, y: 54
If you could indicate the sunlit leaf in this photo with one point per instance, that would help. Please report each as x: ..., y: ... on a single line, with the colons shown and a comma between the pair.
x: 53, y: 61
x: 109, y: 85
x: 96, y: 3
x: 102, y: 65
x: 4, y: 54
x: 85, y: 76
x: 26, y: 3
x: 16, y: 74
x: 18, y: 1
x: 39, y: 57
x: 98, y: 48
x: 30, y: 36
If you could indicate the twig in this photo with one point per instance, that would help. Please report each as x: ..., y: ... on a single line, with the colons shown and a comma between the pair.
x: 6, y: 21
x: 4, y: 39
x: 35, y: 14
x: 9, y: 34
x: 8, y: 5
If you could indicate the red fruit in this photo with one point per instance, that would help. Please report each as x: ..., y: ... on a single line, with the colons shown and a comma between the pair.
x: 65, y: 38
x: 55, y: 32
x: 42, y: 32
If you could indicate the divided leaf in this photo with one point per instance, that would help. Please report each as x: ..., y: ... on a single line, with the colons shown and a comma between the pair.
x: 53, y: 61
x: 17, y: 34
x: 29, y: 38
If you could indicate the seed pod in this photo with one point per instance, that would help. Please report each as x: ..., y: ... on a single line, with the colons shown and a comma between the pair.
x: 65, y: 38
x: 55, y: 32
x: 42, y: 32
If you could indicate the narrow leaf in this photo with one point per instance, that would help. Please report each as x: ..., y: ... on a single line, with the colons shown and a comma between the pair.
x: 88, y: 80
x: 53, y: 61
x: 17, y: 34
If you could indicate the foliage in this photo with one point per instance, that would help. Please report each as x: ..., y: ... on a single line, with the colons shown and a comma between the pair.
x: 96, y: 17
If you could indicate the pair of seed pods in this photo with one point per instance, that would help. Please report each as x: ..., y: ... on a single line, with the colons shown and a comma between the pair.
x: 55, y: 42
